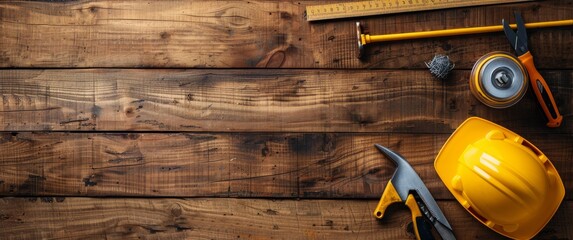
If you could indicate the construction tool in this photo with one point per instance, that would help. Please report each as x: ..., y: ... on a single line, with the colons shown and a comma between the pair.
x: 364, y: 39
x: 500, y: 178
x: 498, y: 80
x: 377, y: 7
x: 407, y: 187
x: 544, y: 96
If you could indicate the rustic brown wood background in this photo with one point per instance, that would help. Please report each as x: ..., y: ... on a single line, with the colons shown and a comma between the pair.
x: 128, y: 119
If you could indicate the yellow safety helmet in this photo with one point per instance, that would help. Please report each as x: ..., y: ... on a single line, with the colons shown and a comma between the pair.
x: 500, y: 178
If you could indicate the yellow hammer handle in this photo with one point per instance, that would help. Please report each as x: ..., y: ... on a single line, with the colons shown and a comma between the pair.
x: 366, y: 38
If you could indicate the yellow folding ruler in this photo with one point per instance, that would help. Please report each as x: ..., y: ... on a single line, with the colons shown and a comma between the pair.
x: 377, y: 7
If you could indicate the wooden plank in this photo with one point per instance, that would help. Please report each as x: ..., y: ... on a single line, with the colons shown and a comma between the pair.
x: 237, y: 34
x: 224, y: 218
x: 275, y: 165
x: 259, y: 100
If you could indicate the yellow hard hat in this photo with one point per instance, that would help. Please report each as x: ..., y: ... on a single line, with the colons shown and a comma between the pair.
x: 500, y: 178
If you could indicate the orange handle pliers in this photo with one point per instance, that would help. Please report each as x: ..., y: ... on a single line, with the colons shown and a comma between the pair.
x: 519, y: 42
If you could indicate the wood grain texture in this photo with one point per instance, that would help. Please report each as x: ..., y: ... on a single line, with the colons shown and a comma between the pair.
x: 274, y: 165
x: 237, y: 34
x: 220, y: 218
x: 260, y: 101
x: 91, y: 148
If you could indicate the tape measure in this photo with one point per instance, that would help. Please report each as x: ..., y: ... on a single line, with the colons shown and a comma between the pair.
x: 377, y: 7
x: 498, y: 80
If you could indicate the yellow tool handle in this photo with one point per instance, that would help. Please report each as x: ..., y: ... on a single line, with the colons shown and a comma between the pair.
x: 389, y: 196
x: 420, y: 229
x: 366, y: 38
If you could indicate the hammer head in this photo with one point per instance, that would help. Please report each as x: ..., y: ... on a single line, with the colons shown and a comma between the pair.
x: 405, y: 181
x: 405, y: 178
x: 359, y: 32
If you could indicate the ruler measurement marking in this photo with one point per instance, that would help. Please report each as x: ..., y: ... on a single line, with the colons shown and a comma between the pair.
x: 378, y: 7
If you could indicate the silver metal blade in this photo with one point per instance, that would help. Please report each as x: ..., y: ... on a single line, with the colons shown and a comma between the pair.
x: 406, y: 180
x: 517, y: 40
x: 510, y: 34
x: 521, y: 33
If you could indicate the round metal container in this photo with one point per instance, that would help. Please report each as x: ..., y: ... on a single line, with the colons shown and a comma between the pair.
x: 498, y: 80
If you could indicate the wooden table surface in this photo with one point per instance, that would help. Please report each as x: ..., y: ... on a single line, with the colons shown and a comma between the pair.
x: 126, y: 119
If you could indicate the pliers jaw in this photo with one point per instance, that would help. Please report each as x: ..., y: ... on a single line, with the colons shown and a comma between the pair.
x: 518, y: 40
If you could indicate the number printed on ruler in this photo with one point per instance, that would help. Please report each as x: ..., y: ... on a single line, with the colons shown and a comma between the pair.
x: 376, y: 7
